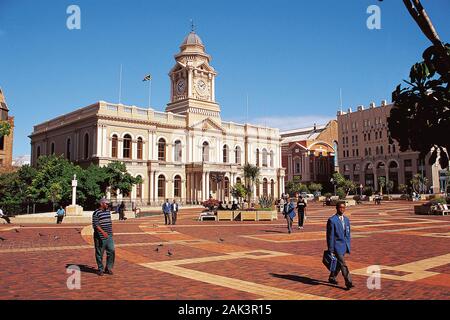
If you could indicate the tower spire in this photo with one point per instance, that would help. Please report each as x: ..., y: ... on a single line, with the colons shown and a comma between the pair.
x: 192, y: 25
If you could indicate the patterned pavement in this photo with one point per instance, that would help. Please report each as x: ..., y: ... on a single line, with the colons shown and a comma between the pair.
x: 232, y: 260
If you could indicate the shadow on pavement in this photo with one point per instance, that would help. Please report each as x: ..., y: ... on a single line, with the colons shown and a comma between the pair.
x: 83, y: 268
x: 305, y: 280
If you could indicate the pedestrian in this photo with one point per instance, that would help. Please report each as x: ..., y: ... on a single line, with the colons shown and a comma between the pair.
x: 121, y: 210
x: 301, y: 210
x: 281, y: 205
x: 174, y: 209
x: 289, y: 214
x: 338, y: 241
x: 60, y: 214
x: 167, y: 211
x: 103, y: 237
x: 4, y: 217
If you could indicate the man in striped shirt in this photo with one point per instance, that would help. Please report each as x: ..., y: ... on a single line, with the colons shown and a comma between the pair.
x: 103, y: 237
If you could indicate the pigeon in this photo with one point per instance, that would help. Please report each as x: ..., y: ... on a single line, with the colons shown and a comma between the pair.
x: 40, y: 234
x: 157, y: 249
x: 160, y: 245
x: 3, y: 239
x: 169, y: 253
x: 221, y: 240
x: 56, y: 237
x: 17, y: 230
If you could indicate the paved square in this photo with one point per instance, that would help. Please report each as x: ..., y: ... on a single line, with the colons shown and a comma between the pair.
x: 232, y: 260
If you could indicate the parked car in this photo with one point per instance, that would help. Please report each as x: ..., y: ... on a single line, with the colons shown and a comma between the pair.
x: 307, y: 196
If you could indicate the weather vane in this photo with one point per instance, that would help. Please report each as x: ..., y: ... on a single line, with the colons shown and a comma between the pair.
x: 192, y: 25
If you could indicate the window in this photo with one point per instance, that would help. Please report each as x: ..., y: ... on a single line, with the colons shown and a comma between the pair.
x: 265, y: 187
x: 389, y: 149
x: 381, y: 150
x: 271, y: 159
x: 408, y: 163
x: 264, y: 158
x: 86, y: 146
x: 237, y: 155
x: 272, y: 188
x: 346, y: 168
x: 38, y: 152
x: 381, y: 135
x: 225, y: 154
x: 257, y: 157
x: 68, y: 149
x: 162, y: 150
x: 205, y: 152
x: 376, y: 135
x: 139, y: 189
x: 238, y: 181
x: 177, y: 187
x: 178, y: 151
x: 127, y: 146
x: 52, y: 148
x: 114, y: 146
x: 376, y: 150
x: 357, y: 152
x: 297, y: 166
x: 393, y: 148
x: 2, y: 143
x: 161, y: 187
x: 140, y: 147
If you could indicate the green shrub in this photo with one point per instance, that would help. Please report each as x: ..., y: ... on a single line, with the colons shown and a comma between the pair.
x: 341, y: 193
x: 368, y: 191
x: 266, y: 202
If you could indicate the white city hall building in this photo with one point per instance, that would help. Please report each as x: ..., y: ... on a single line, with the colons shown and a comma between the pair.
x: 186, y: 153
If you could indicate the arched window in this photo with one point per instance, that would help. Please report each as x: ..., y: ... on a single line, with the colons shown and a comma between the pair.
x: 161, y: 187
x: 237, y: 155
x: 86, y: 146
x: 2, y: 143
x: 205, y: 152
x: 140, y: 148
x: 127, y: 147
x: 139, y: 189
x: 272, y: 160
x: 178, y: 152
x: 257, y: 185
x: 68, y: 149
x: 162, y: 150
x: 257, y: 157
x: 226, y: 187
x: 114, y: 146
x: 52, y: 148
x: 272, y: 188
x: 265, y: 188
x: 177, y: 187
x: 238, y: 181
x: 38, y: 152
x: 225, y: 154
x: 264, y: 158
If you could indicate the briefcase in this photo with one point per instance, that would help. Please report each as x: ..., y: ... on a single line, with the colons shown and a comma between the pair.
x: 329, y: 261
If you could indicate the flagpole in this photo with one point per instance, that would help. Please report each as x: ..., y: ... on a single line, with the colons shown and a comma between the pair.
x: 120, y: 85
x: 150, y: 94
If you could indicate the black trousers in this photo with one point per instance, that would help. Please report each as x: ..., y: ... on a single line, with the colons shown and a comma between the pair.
x: 167, y: 218
x: 6, y: 218
x: 341, y: 266
x: 59, y: 219
x: 174, y: 217
x: 301, y: 218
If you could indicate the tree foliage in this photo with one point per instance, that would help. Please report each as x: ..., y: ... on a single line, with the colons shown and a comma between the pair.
x: 5, y: 128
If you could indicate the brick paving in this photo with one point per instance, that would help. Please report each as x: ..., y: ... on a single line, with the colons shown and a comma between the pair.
x: 231, y: 260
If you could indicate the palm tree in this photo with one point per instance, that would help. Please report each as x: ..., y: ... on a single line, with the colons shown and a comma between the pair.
x: 251, y: 174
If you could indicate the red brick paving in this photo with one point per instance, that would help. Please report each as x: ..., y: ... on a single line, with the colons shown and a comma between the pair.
x: 42, y: 274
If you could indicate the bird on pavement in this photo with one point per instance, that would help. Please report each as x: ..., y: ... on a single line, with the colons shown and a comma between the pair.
x: 157, y: 249
x: 17, y: 230
x: 169, y: 253
x: 56, y: 237
x: 40, y: 234
x: 221, y: 240
x: 3, y: 239
x: 160, y: 245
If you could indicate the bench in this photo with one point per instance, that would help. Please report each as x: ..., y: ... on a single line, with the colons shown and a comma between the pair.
x: 442, y: 209
x: 204, y: 217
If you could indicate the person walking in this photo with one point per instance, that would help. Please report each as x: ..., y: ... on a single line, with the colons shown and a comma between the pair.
x: 338, y: 241
x: 301, y: 210
x: 174, y: 209
x: 60, y: 214
x: 4, y: 217
x: 167, y: 211
x: 121, y: 210
x: 289, y: 214
x: 103, y: 237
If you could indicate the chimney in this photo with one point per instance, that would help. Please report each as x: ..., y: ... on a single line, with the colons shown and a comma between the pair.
x: 372, y: 105
x: 384, y: 103
x: 360, y: 108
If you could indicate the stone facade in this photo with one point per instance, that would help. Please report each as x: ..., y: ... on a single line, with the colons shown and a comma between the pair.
x: 365, y: 153
x: 308, y: 154
x: 6, y: 142
x: 187, y: 153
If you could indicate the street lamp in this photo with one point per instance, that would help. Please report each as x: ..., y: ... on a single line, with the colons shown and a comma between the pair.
x: 361, y: 189
x: 334, y: 184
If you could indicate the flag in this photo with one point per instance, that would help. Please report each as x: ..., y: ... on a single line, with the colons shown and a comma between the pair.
x: 147, y: 78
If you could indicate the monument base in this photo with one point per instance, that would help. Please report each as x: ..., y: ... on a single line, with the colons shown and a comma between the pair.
x: 74, y: 211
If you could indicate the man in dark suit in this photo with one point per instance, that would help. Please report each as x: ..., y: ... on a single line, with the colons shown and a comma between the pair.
x: 167, y: 210
x: 338, y: 241
x: 175, y: 209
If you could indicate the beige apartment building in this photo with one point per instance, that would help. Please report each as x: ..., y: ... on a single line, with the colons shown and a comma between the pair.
x: 187, y: 153
x: 365, y: 153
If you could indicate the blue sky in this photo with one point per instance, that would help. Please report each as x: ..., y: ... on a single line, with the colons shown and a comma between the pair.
x: 290, y: 57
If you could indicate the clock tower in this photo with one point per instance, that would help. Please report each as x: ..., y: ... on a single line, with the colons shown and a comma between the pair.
x: 193, y: 82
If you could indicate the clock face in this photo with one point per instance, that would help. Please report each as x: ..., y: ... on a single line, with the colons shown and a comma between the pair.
x: 202, y: 87
x: 181, y: 86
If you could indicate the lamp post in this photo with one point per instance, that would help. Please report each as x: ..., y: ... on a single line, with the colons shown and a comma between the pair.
x: 334, y: 184
x: 74, y: 190
x: 361, y: 189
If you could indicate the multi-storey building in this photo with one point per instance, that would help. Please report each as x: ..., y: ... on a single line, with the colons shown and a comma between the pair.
x: 309, y: 154
x: 6, y: 142
x: 365, y: 153
x: 187, y: 152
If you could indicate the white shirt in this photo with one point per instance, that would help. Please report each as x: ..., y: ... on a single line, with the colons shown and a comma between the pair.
x: 342, y: 221
x: 1, y: 213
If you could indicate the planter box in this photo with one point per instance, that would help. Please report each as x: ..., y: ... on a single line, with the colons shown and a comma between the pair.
x: 422, y: 210
x: 225, y: 215
x: 264, y: 215
x: 248, y: 215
